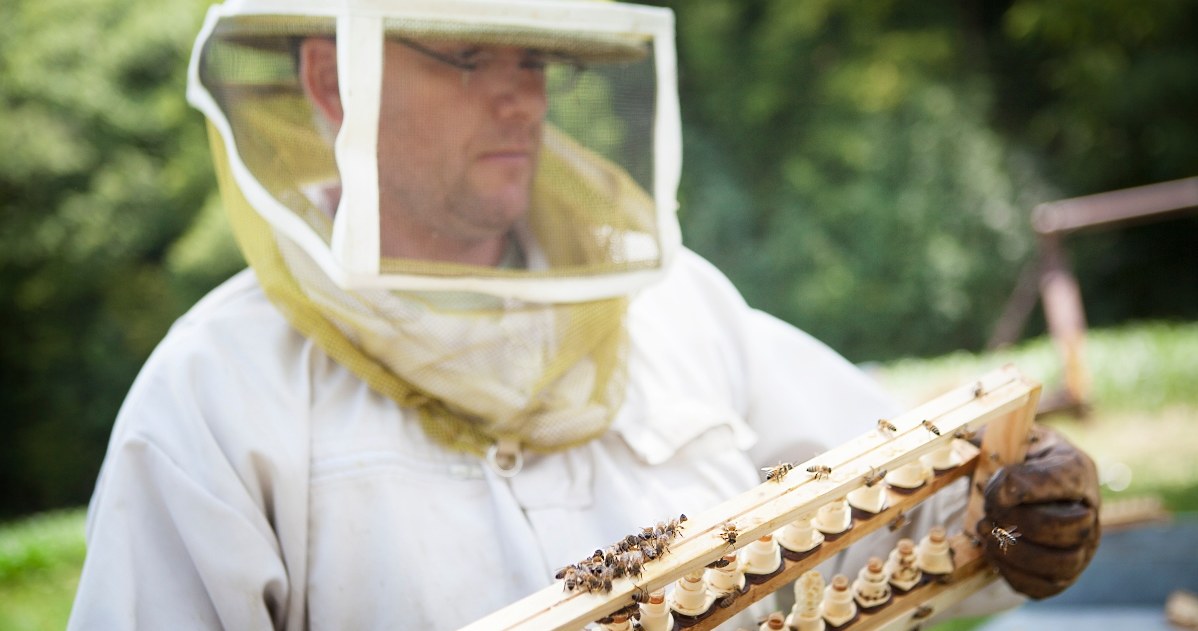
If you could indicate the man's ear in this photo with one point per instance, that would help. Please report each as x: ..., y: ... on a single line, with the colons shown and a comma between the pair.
x: 318, y: 75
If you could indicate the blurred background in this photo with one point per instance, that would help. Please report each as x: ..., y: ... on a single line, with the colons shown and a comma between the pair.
x: 865, y: 169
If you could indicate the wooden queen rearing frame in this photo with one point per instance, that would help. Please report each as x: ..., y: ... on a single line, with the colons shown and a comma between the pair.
x: 1004, y: 401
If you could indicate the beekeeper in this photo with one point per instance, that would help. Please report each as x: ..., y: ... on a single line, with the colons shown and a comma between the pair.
x: 469, y: 348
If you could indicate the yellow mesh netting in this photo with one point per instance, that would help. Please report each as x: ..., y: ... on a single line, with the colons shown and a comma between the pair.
x: 476, y: 368
x: 572, y: 399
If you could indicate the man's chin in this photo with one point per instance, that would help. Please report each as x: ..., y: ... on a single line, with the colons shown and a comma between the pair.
x: 505, y: 204
x: 495, y: 214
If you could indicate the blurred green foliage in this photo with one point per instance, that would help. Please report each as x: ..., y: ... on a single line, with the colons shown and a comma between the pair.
x: 40, y: 561
x: 865, y: 168
x: 104, y: 175
x: 862, y: 168
x: 1143, y: 402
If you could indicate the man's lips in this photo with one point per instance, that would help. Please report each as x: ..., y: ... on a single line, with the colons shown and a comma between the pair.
x: 507, y: 155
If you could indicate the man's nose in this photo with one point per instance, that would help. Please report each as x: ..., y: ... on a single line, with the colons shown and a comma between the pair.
x: 514, y: 91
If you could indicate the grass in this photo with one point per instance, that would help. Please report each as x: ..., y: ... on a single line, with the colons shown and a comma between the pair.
x: 1145, y: 406
x: 40, y: 559
x: 1144, y: 368
x: 1144, y: 409
x: 1144, y: 386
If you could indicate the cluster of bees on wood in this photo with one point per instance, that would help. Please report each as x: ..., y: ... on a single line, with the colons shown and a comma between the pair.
x: 626, y: 557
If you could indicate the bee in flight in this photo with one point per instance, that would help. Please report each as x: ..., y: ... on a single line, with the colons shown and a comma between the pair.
x: 1005, y: 536
x: 778, y: 471
x: 885, y: 427
x: 874, y: 476
x: 930, y: 427
x: 819, y: 471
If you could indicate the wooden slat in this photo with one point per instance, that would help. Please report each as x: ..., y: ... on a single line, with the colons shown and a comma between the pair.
x: 1006, y: 442
x: 911, y: 610
x: 896, y: 505
x: 1115, y: 207
x: 768, y: 507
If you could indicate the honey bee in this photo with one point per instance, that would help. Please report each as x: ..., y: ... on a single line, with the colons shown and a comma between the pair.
x: 729, y: 533
x: 572, y: 576
x: 640, y: 595
x: 667, y: 529
x: 1005, y: 537
x: 930, y: 427
x: 874, y: 476
x: 632, y: 563
x: 777, y: 472
x: 978, y: 390
x: 599, y: 582
x: 632, y: 610
x: 718, y: 563
x: 885, y: 427
x: 900, y: 520
x: 659, y: 546
x: 819, y: 471
x: 673, y: 528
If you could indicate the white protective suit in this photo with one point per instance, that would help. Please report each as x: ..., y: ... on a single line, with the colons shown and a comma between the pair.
x: 252, y: 483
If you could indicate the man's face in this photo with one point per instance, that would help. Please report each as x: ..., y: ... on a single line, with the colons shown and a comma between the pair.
x: 457, y: 150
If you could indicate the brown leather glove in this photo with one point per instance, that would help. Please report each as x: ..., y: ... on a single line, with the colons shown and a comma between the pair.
x: 1048, y: 505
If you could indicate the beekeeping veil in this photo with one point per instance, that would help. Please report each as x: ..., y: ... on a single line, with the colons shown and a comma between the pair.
x: 470, y: 267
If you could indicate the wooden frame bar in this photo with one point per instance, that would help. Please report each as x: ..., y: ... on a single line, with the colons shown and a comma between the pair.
x: 1003, y: 400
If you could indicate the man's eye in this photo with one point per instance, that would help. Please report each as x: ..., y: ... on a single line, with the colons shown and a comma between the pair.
x: 471, y: 56
x: 465, y: 58
x: 534, y: 63
x: 535, y: 60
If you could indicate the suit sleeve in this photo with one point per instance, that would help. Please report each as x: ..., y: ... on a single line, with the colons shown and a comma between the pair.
x: 184, y: 526
x: 165, y: 552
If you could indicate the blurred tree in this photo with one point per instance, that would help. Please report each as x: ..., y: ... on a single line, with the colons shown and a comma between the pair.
x: 865, y: 168
x: 103, y: 172
x: 1107, y: 93
x: 885, y: 215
